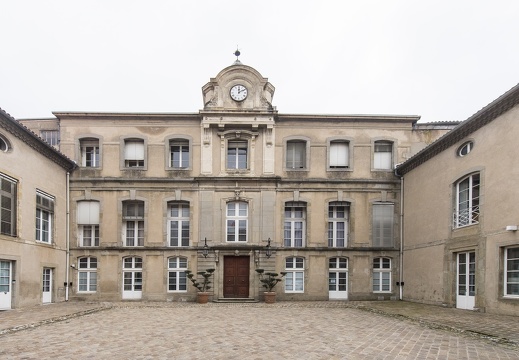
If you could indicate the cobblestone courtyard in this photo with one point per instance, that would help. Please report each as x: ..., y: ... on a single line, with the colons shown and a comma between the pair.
x: 236, y: 331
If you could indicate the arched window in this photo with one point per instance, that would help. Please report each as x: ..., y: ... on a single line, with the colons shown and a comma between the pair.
x: 381, y: 274
x: 87, y: 274
x: 177, y: 280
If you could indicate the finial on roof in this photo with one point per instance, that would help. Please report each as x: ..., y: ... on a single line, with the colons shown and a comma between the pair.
x: 237, y: 54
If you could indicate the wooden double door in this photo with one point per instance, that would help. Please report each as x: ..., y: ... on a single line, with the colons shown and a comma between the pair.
x: 236, y: 276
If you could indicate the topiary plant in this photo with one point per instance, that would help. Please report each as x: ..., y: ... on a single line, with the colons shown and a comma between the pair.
x: 204, y: 284
x: 270, y: 279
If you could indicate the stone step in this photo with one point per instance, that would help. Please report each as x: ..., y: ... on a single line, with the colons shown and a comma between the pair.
x: 235, y: 300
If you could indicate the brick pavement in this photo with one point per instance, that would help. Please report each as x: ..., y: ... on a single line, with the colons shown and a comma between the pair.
x: 286, y: 330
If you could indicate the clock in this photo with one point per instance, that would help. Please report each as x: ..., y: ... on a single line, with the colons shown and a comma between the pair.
x: 238, y: 92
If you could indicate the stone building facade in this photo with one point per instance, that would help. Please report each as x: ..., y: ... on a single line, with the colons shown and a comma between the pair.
x: 236, y: 187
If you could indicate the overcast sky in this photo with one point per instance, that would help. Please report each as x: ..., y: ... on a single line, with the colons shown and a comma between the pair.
x: 443, y: 60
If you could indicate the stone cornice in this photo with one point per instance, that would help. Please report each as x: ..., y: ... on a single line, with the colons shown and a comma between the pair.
x: 490, y: 112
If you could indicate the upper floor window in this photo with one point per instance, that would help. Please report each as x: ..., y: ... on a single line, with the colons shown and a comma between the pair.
x: 177, y: 280
x: 7, y: 205
x: 511, y: 272
x: 295, y: 274
x: 179, y: 153
x: 338, y: 224
x: 237, y: 154
x: 465, y: 148
x: 4, y: 144
x: 382, y: 274
x: 133, y: 153
x: 44, y: 216
x: 89, y: 152
x: 237, y: 215
x: 295, y: 224
x: 87, y: 274
x: 133, y: 223
x: 178, y: 223
x: 339, y: 156
x: 296, y: 154
x: 88, y: 223
x: 383, y: 155
x: 383, y: 224
x: 467, y: 201
x: 50, y: 136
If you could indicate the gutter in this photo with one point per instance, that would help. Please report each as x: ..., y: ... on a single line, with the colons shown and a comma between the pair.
x: 67, y: 237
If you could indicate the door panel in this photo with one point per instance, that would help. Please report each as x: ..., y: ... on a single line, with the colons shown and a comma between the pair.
x: 466, y: 280
x: 47, y: 286
x: 5, y: 284
x: 236, y: 276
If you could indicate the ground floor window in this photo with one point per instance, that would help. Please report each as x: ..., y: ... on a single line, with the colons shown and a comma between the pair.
x: 177, y: 280
x: 87, y: 274
x: 295, y: 277
x: 512, y: 272
x: 381, y: 274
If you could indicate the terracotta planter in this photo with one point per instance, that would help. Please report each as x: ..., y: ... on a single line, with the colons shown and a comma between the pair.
x: 202, y: 297
x: 270, y: 297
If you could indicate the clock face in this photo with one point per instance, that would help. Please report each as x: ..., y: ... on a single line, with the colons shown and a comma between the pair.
x: 238, y: 92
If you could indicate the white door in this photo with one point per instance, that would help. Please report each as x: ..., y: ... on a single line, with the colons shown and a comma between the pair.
x: 6, y: 270
x: 338, y: 279
x: 47, y: 286
x: 132, y: 278
x: 466, y: 281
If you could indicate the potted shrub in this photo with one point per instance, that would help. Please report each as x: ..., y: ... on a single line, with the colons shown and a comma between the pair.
x: 203, y: 285
x: 269, y: 280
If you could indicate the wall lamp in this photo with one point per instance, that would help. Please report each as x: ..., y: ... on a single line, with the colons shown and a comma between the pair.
x: 205, y: 249
x: 268, y: 250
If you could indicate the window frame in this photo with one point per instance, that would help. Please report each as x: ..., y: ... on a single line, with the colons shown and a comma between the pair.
x: 137, y: 221
x: 12, y: 196
x: 236, y: 218
x: 381, y: 271
x: 5, y: 145
x: 334, y: 221
x: 84, y: 144
x: 180, y: 277
x: 134, y: 164
x: 333, y: 143
x: 88, y: 214
x: 182, y: 219
x: 184, y: 149
x: 336, y: 270
x: 295, y: 274
x: 44, y: 216
x: 236, y: 166
x: 377, y: 158
x: 290, y: 160
x: 51, y: 137
x: 507, y: 272
x: 379, y: 226
x: 291, y: 240
x: 90, y: 273
x: 465, y: 148
x: 472, y: 208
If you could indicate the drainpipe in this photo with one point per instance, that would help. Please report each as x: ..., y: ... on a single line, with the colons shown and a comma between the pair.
x: 67, y: 237
x: 401, y: 237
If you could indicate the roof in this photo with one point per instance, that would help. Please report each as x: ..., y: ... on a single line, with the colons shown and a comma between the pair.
x: 484, y: 116
x: 8, y: 123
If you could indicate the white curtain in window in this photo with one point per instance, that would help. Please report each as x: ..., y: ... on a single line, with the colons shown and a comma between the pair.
x: 88, y: 213
x: 339, y: 154
x: 134, y: 150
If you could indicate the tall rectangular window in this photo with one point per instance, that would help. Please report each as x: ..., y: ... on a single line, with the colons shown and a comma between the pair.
x: 177, y: 279
x: 383, y: 224
x: 44, y: 217
x: 50, y: 136
x: 338, y: 224
x: 296, y: 154
x: 467, y: 201
x: 339, y: 155
x: 179, y: 153
x: 178, y: 222
x: 383, y: 155
x: 7, y: 206
x: 295, y: 275
x: 133, y: 223
x: 87, y: 274
x: 237, y: 216
x: 382, y: 275
x: 295, y: 224
x: 89, y: 152
x: 512, y: 272
x: 134, y: 153
x: 88, y: 223
x: 237, y: 154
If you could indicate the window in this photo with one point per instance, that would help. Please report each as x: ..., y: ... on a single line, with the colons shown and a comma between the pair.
x: 178, y: 224
x: 338, y: 277
x: 467, y: 201
x: 88, y: 223
x: 382, y: 274
x: 177, y: 280
x: 133, y: 223
x: 4, y: 144
x: 295, y: 224
x: 89, y: 152
x: 134, y: 153
x: 179, y: 154
x: 383, y: 156
x: 295, y: 277
x: 237, y: 154
x: 339, y: 155
x: 87, y: 274
x: 465, y: 148
x: 7, y: 206
x: 237, y: 213
x: 132, y: 277
x: 512, y: 272
x: 44, y: 217
x: 338, y: 224
x: 50, y: 136
x: 383, y: 224
x: 296, y: 154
